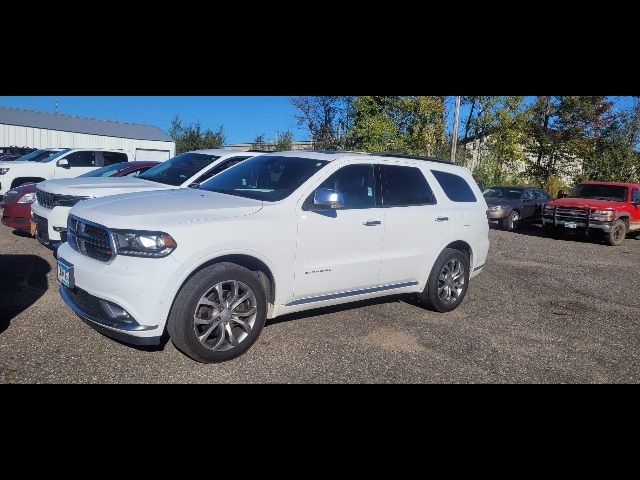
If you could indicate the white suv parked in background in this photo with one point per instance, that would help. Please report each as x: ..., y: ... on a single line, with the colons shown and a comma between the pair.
x: 67, y: 163
x: 277, y: 234
x: 56, y: 198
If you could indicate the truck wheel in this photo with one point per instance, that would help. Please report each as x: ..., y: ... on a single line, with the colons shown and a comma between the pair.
x: 511, y: 222
x: 448, y: 282
x: 218, y: 314
x: 617, y: 234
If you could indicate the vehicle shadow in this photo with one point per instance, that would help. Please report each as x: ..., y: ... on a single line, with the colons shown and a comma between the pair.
x: 407, y: 298
x: 23, y: 280
x: 21, y: 234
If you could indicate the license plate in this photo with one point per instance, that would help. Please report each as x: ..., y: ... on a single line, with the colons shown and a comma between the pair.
x: 570, y: 224
x: 65, y: 274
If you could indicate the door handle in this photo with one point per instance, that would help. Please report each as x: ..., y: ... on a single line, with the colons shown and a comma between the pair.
x: 442, y: 219
x: 372, y: 223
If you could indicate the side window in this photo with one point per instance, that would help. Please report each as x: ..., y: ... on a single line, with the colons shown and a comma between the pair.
x: 541, y: 195
x: 81, y: 159
x: 635, y: 195
x: 220, y: 168
x: 527, y: 195
x: 405, y: 186
x: 455, y: 187
x: 111, y: 158
x: 356, y: 182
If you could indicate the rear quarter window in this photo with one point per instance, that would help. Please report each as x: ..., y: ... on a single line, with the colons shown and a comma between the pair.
x: 455, y: 187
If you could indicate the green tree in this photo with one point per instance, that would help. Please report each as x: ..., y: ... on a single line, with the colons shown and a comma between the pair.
x: 194, y: 137
x: 283, y: 142
x: 559, y: 131
x: 326, y: 117
x: 260, y: 144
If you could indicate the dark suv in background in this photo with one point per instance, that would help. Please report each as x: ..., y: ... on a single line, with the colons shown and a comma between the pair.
x: 509, y: 206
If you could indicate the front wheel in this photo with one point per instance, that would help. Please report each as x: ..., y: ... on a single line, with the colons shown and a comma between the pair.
x: 448, y: 282
x: 218, y: 314
x: 511, y: 222
x: 617, y: 234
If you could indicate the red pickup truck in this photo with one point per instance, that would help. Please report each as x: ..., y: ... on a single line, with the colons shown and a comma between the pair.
x: 608, y: 208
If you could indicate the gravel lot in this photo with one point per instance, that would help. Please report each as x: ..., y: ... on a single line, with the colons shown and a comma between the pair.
x: 543, y: 311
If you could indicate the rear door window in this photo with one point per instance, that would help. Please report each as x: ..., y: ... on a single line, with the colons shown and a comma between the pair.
x: 111, y: 158
x: 455, y: 187
x: 404, y: 187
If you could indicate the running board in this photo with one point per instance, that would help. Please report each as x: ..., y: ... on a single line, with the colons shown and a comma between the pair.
x: 352, y: 293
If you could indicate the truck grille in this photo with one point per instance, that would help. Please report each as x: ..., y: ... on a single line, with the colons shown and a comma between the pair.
x: 91, y: 240
x: 575, y: 213
x: 51, y: 200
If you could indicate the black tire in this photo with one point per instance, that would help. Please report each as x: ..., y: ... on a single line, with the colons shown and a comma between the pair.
x: 180, y: 324
x: 617, y: 235
x: 430, y: 297
x: 511, y: 222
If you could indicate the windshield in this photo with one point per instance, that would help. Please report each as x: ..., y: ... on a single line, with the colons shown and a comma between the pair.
x: 506, y: 193
x: 178, y: 170
x: 107, y: 171
x: 54, y: 156
x: 612, y: 193
x: 37, y: 156
x: 267, y: 178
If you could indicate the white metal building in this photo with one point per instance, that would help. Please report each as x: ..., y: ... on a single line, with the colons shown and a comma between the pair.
x: 26, y: 128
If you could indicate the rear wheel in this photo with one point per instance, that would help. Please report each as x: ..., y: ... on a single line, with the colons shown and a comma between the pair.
x: 448, y: 281
x: 617, y: 234
x: 218, y: 314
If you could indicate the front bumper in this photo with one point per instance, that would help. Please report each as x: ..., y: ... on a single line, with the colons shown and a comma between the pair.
x: 143, y: 287
x: 497, y: 214
x: 56, y: 221
x: 89, y: 309
x: 17, y: 216
x: 581, y: 224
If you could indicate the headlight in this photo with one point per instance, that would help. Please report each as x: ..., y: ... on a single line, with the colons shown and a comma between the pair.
x: 28, y: 198
x: 144, y: 244
x: 4, y: 171
x: 496, y: 208
x: 602, y: 214
x: 69, y: 201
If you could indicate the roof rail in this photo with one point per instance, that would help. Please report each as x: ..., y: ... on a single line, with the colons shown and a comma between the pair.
x: 336, y: 152
x: 412, y: 157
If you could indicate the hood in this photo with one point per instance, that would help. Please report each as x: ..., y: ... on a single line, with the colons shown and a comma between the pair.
x: 491, y: 201
x: 21, y: 165
x: 584, y: 202
x: 161, y: 209
x: 99, y: 187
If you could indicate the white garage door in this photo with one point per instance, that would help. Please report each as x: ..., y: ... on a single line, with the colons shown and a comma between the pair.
x: 144, y: 155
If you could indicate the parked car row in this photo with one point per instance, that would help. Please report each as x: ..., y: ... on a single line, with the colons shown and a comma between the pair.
x: 210, y: 244
x: 608, y: 209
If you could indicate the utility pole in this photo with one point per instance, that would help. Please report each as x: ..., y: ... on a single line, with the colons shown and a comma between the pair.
x: 56, y: 106
x: 454, y: 144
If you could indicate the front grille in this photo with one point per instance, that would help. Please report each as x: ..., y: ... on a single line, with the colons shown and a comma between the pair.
x: 86, y: 302
x: 45, y: 199
x: 51, y: 200
x: 91, y: 240
x: 577, y: 213
x: 42, y: 232
x: 11, y: 197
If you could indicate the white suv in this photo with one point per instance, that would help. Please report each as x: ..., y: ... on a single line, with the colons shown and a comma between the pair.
x: 66, y: 163
x: 277, y: 234
x: 56, y: 198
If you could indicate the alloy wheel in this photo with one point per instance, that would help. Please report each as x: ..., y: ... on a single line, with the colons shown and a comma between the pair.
x: 225, y: 316
x: 451, y: 281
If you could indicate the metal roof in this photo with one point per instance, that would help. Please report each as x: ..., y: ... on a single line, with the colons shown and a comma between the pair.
x: 67, y: 123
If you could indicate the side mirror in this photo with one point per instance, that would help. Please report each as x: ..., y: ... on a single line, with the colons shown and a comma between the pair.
x: 562, y: 194
x: 64, y: 163
x: 195, y: 186
x: 327, y: 198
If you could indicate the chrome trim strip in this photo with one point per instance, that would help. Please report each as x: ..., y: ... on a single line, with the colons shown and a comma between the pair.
x: 478, y: 268
x: 351, y: 293
x: 98, y: 321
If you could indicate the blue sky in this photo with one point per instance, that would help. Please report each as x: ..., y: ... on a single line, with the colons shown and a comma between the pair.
x: 243, y: 117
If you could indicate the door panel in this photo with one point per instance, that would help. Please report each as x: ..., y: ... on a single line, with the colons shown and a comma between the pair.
x: 341, y: 250
x: 528, y: 204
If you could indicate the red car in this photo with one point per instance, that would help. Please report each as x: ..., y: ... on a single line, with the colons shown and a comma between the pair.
x: 15, y: 208
x: 608, y: 208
